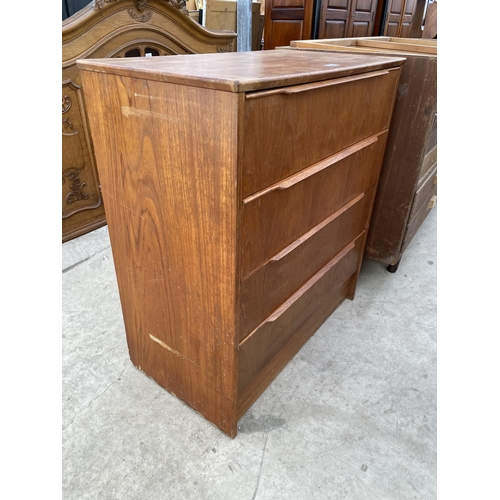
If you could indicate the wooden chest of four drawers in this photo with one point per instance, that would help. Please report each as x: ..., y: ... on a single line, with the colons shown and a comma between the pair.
x: 239, y: 189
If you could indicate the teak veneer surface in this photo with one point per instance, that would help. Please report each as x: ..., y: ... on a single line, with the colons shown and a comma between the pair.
x: 221, y: 284
x: 242, y: 71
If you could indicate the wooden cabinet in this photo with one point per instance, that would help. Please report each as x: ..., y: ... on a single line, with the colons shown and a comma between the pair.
x: 122, y: 28
x: 408, y: 181
x: 399, y: 18
x: 346, y: 18
x: 238, y: 191
x: 221, y: 15
x: 286, y: 20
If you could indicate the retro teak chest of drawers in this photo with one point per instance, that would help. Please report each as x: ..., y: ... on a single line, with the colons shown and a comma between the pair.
x: 238, y: 190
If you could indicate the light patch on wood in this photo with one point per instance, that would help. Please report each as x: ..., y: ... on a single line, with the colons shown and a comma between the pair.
x: 128, y: 111
x: 168, y: 348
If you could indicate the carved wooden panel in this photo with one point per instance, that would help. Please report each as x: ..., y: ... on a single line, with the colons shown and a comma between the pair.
x: 399, y: 18
x: 114, y: 28
x: 287, y: 20
x: 80, y: 184
x: 363, y: 16
x: 346, y: 18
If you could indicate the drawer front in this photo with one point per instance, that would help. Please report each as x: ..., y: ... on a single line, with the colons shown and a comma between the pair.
x: 271, y: 285
x: 429, y: 163
x: 416, y: 221
x: 277, y: 217
x: 300, y: 316
x: 424, y: 193
x: 432, y: 137
x: 283, y: 133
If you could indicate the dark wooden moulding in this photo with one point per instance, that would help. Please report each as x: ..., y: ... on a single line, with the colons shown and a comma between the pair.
x: 238, y: 191
x: 113, y: 29
x: 407, y: 189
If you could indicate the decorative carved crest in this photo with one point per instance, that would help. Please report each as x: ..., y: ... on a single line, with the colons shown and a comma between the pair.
x: 179, y: 4
x: 141, y: 18
x: 66, y: 122
x: 139, y: 5
x: 99, y: 4
x: 76, y: 186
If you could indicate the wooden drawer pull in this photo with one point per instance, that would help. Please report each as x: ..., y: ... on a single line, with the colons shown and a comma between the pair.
x: 316, y: 229
x: 304, y: 288
x: 313, y: 169
x: 432, y: 203
x: 298, y: 89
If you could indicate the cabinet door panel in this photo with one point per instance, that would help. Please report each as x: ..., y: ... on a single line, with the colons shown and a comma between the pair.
x: 287, y: 20
x: 346, y: 18
x: 395, y: 7
x: 410, y: 7
x: 334, y: 28
x: 400, y: 18
x: 407, y: 18
x: 362, y: 17
x: 393, y: 21
x: 334, y: 19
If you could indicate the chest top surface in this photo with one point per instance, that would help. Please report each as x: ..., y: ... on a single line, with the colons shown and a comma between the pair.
x: 243, y: 71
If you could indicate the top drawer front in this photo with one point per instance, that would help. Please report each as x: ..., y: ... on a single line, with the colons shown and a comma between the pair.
x: 290, y: 128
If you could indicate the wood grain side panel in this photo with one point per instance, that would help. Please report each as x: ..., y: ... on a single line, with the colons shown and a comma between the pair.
x: 273, y: 221
x: 301, y: 318
x: 296, y: 137
x: 266, y: 289
x: 414, y: 113
x: 169, y: 183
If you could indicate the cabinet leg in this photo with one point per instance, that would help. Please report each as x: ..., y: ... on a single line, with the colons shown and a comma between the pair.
x: 392, y: 268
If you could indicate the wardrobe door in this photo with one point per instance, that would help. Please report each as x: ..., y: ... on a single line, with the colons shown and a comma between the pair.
x: 334, y: 19
x: 287, y: 20
x: 407, y: 18
x: 362, y: 18
x: 393, y: 21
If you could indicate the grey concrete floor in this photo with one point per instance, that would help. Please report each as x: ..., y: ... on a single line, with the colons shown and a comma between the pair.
x: 352, y: 416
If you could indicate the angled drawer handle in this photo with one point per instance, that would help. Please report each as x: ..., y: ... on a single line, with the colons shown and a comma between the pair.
x: 316, y: 229
x: 298, y: 89
x: 304, y: 288
x: 314, y: 168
